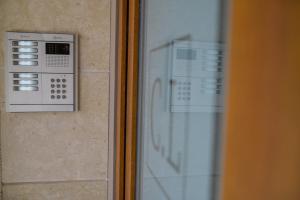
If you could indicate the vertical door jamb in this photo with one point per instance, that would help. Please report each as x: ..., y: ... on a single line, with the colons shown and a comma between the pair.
x: 126, y: 99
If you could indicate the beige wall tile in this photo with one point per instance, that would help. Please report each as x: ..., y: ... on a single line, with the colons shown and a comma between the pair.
x: 56, y: 191
x: 1, y: 34
x: 43, y: 147
x: 59, y: 146
x: 89, y: 18
x: 1, y: 47
x: 1, y: 85
x: 1, y: 108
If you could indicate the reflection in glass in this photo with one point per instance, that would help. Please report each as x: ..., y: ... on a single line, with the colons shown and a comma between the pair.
x: 181, y: 99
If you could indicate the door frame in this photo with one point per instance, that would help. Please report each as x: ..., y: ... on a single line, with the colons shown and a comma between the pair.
x: 126, y: 102
x: 247, y: 22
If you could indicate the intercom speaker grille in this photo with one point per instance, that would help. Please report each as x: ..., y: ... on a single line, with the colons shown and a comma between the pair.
x: 57, y: 60
x: 186, y: 54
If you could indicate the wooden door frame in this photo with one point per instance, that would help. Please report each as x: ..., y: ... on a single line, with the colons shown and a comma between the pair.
x: 126, y: 99
x: 250, y: 24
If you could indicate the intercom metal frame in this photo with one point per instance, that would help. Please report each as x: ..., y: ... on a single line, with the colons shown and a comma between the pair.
x: 196, y: 76
x: 42, y: 74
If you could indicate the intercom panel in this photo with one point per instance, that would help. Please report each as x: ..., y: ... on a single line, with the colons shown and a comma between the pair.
x: 196, y: 77
x: 40, y: 72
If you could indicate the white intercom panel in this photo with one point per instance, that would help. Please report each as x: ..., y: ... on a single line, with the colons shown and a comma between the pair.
x: 196, y: 77
x: 40, y: 72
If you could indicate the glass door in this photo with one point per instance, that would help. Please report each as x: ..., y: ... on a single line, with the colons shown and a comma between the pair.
x: 181, y: 91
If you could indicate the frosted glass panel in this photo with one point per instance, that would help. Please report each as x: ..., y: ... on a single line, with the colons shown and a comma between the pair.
x: 182, y: 65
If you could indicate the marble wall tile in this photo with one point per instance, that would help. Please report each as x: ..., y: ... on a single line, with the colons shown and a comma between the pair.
x: 1, y: 109
x: 95, y: 190
x: 59, y: 146
x: 47, y: 147
x: 1, y: 35
x: 89, y: 18
x: 1, y: 85
x: 1, y: 47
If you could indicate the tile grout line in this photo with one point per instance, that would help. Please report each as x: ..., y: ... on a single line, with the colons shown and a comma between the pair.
x: 93, y: 71
x: 83, y: 70
x: 53, y: 182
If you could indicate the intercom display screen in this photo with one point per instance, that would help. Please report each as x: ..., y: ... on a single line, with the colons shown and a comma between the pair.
x: 58, y: 48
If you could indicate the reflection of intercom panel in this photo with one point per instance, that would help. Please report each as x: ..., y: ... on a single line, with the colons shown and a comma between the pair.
x: 40, y: 72
x: 196, y: 77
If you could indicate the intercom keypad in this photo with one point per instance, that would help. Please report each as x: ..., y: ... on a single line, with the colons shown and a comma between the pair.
x: 60, y: 88
x: 183, y: 89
